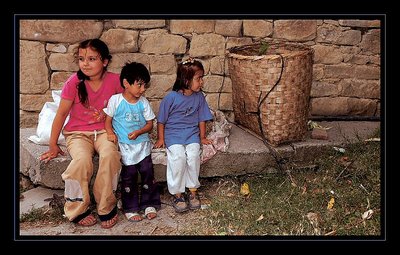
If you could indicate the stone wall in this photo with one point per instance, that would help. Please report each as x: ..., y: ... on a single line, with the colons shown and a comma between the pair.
x: 346, y: 75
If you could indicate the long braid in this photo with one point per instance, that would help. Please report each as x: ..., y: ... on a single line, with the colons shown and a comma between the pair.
x: 82, y: 92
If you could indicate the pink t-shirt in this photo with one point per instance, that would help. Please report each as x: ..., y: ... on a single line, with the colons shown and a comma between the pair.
x: 92, y: 118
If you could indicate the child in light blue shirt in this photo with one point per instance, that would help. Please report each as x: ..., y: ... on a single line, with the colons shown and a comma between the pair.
x: 129, y: 121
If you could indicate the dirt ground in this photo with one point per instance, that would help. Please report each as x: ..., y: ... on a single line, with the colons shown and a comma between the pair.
x: 167, y: 223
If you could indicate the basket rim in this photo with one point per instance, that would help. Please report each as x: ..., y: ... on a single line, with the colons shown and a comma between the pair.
x: 234, y: 52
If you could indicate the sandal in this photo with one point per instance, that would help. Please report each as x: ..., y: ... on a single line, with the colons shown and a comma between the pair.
x: 133, y: 216
x: 110, y: 223
x: 150, y: 213
x: 88, y: 221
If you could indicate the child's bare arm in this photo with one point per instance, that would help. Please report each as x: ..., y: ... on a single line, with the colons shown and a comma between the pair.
x: 57, y: 126
x: 203, y: 139
x: 146, y: 129
x: 160, y: 133
x: 110, y: 132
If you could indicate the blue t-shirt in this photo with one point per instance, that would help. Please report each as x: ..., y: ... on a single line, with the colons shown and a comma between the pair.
x: 129, y: 117
x: 181, y: 116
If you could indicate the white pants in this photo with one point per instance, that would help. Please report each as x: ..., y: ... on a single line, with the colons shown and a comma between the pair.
x: 183, y: 167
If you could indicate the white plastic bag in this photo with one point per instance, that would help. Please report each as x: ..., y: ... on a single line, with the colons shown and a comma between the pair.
x: 46, y: 117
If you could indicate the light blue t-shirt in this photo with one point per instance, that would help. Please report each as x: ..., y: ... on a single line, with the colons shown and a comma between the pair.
x: 128, y: 117
x: 181, y: 116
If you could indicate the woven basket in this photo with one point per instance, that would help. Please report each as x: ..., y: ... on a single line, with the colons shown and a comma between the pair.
x: 271, y: 92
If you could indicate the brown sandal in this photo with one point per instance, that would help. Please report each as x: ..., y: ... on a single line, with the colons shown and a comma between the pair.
x: 88, y: 221
x: 110, y: 223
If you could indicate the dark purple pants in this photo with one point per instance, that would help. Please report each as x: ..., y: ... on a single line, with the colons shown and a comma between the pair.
x: 133, y: 199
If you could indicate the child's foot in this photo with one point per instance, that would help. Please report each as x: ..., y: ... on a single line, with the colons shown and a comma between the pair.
x: 194, y: 201
x: 88, y: 221
x: 150, y: 212
x: 179, y: 204
x: 133, y: 216
x: 110, y: 223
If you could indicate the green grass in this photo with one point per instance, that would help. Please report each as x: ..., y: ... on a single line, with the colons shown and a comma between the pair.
x: 279, y: 205
x: 287, y: 204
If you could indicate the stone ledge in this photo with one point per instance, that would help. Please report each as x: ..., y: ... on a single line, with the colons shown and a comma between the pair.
x: 246, y: 154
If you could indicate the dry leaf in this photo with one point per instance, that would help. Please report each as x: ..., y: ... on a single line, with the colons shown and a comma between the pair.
x: 367, y: 215
x: 245, y: 189
x: 304, y: 188
x: 311, y: 125
x: 331, y: 203
x: 373, y: 139
x: 260, y: 218
x: 341, y: 150
x: 315, y: 220
x: 332, y: 233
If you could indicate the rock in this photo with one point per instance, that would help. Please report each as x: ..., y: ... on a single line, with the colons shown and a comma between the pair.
x: 319, y: 133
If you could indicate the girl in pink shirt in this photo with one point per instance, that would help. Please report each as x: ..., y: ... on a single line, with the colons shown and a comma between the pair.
x: 83, y: 97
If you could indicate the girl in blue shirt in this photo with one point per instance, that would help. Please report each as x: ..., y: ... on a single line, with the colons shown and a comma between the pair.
x: 181, y: 128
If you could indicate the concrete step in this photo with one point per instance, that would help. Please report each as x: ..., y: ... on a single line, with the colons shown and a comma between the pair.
x: 36, y: 198
x: 246, y: 154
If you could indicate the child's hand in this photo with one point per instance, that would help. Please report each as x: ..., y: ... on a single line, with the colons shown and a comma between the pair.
x: 206, y: 141
x: 51, y: 153
x: 133, y: 135
x: 112, y: 138
x: 159, y: 144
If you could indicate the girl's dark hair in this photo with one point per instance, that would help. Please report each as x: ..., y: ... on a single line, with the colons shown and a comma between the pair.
x: 186, y: 70
x: 102, y: 48
x: 134, y: 71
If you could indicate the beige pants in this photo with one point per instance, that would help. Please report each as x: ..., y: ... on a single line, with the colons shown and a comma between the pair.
x: 82, y: 146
